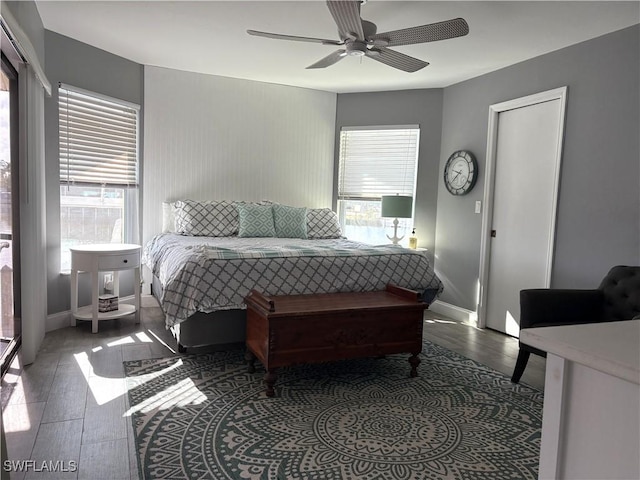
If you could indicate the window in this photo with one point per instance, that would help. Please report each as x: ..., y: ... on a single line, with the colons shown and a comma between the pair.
x: 375, y: 161
x: 98, y: 170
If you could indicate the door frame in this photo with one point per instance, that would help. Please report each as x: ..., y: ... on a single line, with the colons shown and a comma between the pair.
x: 16, y: 341
x: 489, y: 188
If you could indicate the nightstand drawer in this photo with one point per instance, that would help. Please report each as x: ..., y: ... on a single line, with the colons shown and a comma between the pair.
x: 116, y: 262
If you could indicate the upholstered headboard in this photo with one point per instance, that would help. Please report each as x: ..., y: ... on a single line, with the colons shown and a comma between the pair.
x: 168, y: 218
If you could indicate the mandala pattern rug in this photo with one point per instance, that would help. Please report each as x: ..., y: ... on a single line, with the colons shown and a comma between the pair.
x: 206, y: 417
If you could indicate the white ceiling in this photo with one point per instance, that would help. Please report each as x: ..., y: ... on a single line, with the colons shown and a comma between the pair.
x: 210, y: 37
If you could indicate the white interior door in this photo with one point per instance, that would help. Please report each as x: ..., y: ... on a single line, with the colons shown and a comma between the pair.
x: 520, y: 230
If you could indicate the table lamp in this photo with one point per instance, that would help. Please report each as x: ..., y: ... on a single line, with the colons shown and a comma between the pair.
x: 396, y: 206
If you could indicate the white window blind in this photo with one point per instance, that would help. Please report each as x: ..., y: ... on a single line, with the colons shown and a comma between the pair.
x: 377, y: 161
x: 98, y: 139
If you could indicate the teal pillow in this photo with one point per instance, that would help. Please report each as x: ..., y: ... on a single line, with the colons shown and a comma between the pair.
x: 255, y: 220
x: 290, y: 222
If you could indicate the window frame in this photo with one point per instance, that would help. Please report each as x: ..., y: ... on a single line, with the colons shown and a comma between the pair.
x: 371, y: 197
x: 130, y: 184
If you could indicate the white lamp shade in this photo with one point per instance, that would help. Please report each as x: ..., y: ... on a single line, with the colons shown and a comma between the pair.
x: 397, y: 206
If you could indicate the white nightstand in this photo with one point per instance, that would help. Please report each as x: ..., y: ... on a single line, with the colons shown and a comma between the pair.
x: 108, y: 257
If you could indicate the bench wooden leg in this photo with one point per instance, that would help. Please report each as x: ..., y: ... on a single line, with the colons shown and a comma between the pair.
x: 414, y: 361
x: 270, y: 380
x: 251, y: 361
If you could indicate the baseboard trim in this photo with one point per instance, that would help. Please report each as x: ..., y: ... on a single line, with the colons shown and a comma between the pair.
x: 57, y: 321
x: 60, y: 320
x: 456, y: 313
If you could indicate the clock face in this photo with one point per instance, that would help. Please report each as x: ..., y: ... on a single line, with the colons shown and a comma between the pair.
x: 460, y: 172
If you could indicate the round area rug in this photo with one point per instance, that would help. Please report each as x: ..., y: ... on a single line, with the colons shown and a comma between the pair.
x: 206, y: 417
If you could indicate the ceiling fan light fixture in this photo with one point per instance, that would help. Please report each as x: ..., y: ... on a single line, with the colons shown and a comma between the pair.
x: 356, y: 49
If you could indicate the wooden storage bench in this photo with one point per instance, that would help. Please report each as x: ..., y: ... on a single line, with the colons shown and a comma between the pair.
x: 293, y: 329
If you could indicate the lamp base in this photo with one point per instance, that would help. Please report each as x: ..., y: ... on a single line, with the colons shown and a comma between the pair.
x: 395, y: 239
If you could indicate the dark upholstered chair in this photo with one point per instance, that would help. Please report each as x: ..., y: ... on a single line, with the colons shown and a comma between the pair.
x: 617, y: 298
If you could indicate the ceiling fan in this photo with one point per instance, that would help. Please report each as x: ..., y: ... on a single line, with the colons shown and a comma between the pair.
x: 359, y: 37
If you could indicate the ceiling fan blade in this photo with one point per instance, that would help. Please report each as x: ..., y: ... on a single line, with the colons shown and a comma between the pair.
x: 329, y: 59
x: 433, y: 32
x: 396, y: 59
x: 346, y: 14
x: 278, y: 36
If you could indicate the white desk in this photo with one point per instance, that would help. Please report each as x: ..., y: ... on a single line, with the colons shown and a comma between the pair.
x: 108, y: 257
x: 591, y: 415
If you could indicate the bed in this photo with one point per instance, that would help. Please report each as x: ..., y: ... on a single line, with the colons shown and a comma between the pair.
x: 200, y: 281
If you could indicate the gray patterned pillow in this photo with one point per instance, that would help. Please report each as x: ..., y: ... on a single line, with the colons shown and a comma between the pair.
x: 210, y: 219
x: 255, y: 220
x: 323, y: 223
x: 290, y: 222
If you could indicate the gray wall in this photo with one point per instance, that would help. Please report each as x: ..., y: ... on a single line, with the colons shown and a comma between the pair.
x: 599, y: 204
x: 83, y: 66
x: 27, y: 15
x: 598, y: 223
x: 405, y: 107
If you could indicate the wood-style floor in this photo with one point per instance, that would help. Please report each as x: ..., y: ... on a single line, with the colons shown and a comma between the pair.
x: 71, y: 404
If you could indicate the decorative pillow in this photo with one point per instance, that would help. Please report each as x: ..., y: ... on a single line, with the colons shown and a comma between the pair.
x: 323, y: 223
x: 210, y: 219
x: 255, y: 220
x: 290, y: 222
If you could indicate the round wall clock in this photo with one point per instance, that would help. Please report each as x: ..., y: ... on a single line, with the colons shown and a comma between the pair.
x: 460, y: 172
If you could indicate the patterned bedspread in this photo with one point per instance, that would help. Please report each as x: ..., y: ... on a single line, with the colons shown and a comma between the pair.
x: 205, y: 274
